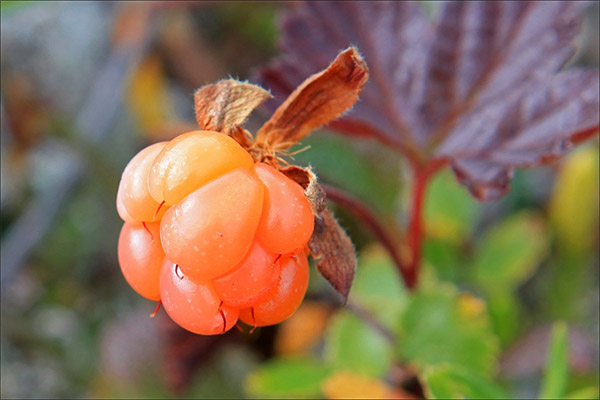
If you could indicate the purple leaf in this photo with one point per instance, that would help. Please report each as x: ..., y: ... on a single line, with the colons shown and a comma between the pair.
x: 477, y: 87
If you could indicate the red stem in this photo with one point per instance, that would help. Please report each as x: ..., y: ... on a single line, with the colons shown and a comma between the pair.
x: 410, y: 270
x: 372, y: 223
x: 415, y: 227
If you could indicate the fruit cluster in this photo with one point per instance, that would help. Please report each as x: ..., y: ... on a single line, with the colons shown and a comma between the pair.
x: 213, y: 235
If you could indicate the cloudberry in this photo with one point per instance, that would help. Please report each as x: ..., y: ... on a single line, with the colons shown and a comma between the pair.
x: 191, y: 160
x: 212, y: 235
x: 252, y: 281
x: 141, y: 257
x: 209, y: 231
x: 133, y: 197
x: 287, y: 220
x: 194, y: 305
x: 287, y: 296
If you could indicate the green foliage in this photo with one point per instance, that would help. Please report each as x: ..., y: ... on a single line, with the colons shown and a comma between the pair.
x: 590, y: 392
x: 441, y: 326
x: 377, y: 287
x: 446, y: 382
x: 510, y: 252
x: 288, y: 377
x: 15, y: 4
x: 367, y: 170
x: 450, y: 211
x: 557, y: 364
x: 353, y: 345
x: 506, y: 313
x: 446, y: 258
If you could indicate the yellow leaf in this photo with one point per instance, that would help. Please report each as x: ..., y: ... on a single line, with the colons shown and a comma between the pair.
x: 147, y: 96
x: 350, y: 385
x: 574, y: 202
x: 303, y: 329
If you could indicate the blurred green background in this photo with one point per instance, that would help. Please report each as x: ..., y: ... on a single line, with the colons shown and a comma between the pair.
x: 509, y: 299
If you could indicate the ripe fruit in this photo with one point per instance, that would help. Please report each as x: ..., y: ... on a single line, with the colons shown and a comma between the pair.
x: 191, y: 160
x: 287, y: 221
x: 194, y: 305
x: 286, y: 298
x: 209, y: 232
x: 133, y: 195
x: 252, y: 281
x: 141, y: 257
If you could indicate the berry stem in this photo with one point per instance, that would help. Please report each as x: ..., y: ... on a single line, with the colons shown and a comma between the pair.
x: 156, y: 309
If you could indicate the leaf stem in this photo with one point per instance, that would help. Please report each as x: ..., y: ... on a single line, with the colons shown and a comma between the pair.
x: 409, y: 271
x: 362, y: 212
x: 415, y: 228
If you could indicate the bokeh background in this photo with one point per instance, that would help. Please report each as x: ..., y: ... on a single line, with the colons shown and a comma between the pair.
x: 85, y: 85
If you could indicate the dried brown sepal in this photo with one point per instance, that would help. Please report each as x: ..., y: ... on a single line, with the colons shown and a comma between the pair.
x: 333, y: 252
x: 317, y: 101
x: 306, y: 178
x: 330, y: 246
x: 225, y: 105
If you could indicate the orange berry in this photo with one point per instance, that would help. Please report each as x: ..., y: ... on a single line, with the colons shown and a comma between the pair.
x: 121, y: 210
x: 133, y: 192
x: 210, y: 231
x: 286, y: 298
x: 141, y: 257
x: 191, y: 160
x: 194, y: 305
x: 287, y: 220
x: 252, y: 281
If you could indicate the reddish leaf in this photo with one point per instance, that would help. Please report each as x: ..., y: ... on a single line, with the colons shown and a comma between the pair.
x: 478, y: 87
x: 333, y: 252
x: 531, y: 126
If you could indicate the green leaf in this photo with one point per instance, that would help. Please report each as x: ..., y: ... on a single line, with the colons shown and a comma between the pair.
x: 365, y: 169
x: 591, y: 392
x: 377, y: 286
x: 14, y: 5
x: 506, y: 314
x: 441, y: 326
x: 510, y: 252
x: 450, y: 211
x: 557, y: 364
x: 353, y: 345
x: 445, y: 258
x: 288, y: 377
x: 445, y: 382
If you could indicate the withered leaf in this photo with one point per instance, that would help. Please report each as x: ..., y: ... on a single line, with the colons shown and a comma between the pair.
x: 306, y: 178
x: 333, y: 252
x: 478, y: 86
x: 225, y: 105
x: 317, y: 101
x: 329, y: 244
